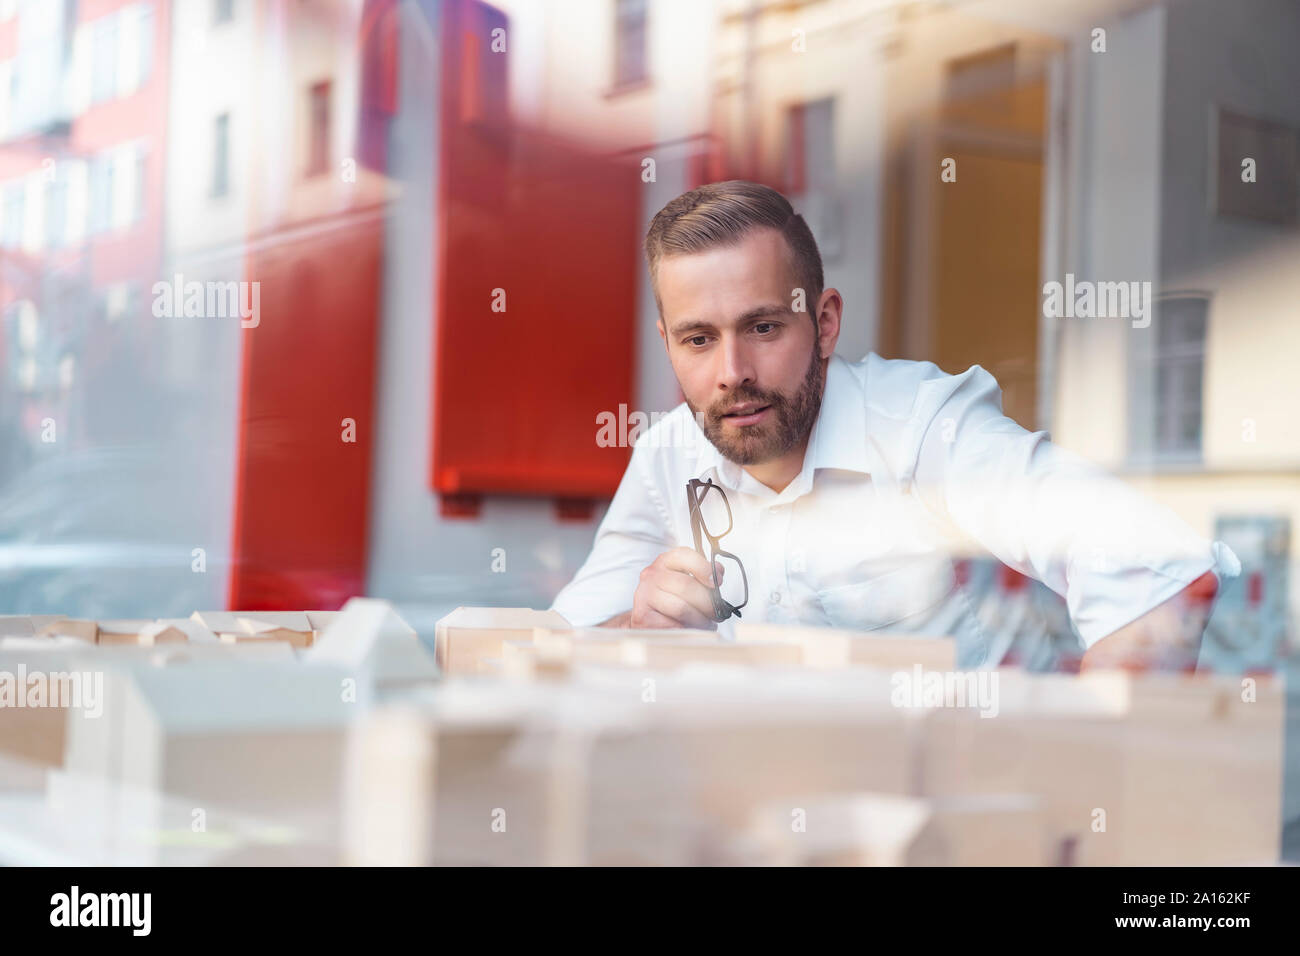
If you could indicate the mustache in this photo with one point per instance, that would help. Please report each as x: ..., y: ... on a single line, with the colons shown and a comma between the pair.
x: 741, y: 398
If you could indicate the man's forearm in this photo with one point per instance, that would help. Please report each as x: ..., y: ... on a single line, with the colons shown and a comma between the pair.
x: 1168, y: 637
x: 619, y: 620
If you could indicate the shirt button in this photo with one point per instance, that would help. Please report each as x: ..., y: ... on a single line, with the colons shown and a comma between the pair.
x: 775, y: 597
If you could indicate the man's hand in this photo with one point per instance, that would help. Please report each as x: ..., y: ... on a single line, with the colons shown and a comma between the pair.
x: 1168, y: 637
x: 673, y: 592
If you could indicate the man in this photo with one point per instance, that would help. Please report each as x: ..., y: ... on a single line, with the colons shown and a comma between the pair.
x: 852, y: 485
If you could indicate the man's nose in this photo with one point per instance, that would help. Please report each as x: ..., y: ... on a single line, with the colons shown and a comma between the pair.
x: 736, y: 368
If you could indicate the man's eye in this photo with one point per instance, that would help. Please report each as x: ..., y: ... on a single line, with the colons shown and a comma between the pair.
x: 697, y: 340
x: 761, y: 326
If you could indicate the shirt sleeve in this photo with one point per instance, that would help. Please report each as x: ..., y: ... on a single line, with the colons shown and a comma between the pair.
x: 634, y: 531
x: 1113, y: 553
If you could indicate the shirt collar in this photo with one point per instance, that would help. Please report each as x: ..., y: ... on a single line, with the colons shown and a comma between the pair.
x: 838, y: 438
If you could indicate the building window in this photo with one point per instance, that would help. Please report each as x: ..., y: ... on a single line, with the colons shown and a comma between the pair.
x: 1167, y: 387
x: 144, y: 32
x: 318, y: 146
x: 810, y: 147
x: 223, y: 11
x: 40, y: 64
x: 101, y: 194
x: 1179, y: 376
x: 121, y: 300
x: 103, y: 73
x: 221, y: 155
x: 6, y: 78
x: 14, y: 206
x: 56, y: 214
x: 140, y: 180
x: 630, y: 39
x: 809, y: 173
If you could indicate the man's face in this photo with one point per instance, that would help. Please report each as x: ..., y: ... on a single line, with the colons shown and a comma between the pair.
x: 749, y: 367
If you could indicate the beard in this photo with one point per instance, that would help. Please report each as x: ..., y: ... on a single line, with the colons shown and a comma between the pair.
x: 789, y: 424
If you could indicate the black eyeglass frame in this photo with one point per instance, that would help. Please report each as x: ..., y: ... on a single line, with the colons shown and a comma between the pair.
x: 695, y: 492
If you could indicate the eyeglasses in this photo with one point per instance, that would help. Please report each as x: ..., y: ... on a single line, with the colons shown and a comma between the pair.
x: 711, y: 519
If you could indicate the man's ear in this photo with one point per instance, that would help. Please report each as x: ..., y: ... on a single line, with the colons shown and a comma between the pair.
x: 663, y: 333
x: 830, y: 309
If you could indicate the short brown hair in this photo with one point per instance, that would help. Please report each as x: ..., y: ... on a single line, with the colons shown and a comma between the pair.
x: 721, y: 214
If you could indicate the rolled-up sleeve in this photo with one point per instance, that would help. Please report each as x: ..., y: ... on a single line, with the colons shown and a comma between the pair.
x: 1113, y: 553
x: 634, y: 531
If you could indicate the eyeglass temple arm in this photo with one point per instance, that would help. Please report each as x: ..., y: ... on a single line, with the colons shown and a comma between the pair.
x: 696, y: 523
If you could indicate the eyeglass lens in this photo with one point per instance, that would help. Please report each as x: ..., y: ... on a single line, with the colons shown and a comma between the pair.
x: 715, y: 512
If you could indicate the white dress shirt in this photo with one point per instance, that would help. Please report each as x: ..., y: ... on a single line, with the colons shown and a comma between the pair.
x: 907, y: 468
